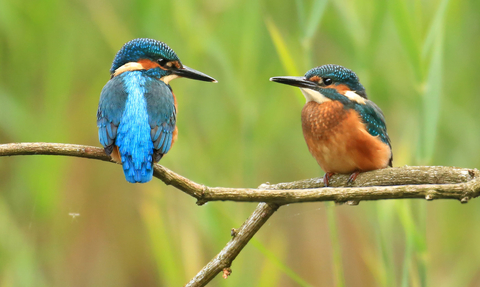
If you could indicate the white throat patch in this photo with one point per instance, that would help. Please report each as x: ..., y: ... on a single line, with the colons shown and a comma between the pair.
x: 168, y: 78
x: 355, y: 97
x: 130, y: 66
x: 315, y: 96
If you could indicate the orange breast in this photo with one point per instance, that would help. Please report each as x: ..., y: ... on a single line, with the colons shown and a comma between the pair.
x: 339, y: 141
x: 116, y: 155
x: 175, y: 132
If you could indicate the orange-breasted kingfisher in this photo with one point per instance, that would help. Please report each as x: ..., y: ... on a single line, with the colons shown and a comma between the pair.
x: 137, y: 112
x: 344, y: 131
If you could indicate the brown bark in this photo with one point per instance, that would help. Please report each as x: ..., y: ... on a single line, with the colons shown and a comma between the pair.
x: 424, y: 182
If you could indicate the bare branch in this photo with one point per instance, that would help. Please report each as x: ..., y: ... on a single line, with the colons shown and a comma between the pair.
x: 393, y: 183
x: 160, y: 172
x: 432, y: 183
x: 240, y: 238
x: 53, y: 149
x: 459, y: 183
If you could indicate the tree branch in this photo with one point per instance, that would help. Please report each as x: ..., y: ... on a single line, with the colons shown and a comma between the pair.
x: 423, y: 182
x: 241, y: 237
x: 392, y: 183
x: 442, y: 178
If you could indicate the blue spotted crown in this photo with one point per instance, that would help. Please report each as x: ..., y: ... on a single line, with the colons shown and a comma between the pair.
x: 338, y: 74
x: 142, y: 48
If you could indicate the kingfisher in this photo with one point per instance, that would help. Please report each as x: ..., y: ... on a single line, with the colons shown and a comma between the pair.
x: 137, y: 112
x: 344, y: 131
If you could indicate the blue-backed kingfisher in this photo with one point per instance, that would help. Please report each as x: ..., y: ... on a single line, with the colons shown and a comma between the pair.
x: 345, y: 132
x: 137, y: 112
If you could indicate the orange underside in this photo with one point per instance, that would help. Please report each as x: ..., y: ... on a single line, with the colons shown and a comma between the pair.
x: 116, y: 155
x: 175, y: 132
x: 339, y: 141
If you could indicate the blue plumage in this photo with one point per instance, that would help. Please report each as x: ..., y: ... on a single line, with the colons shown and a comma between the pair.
x: 133, y: 135
x: 142, y: 48
x: 374, y: 119
x: 338, y: 74
x: 132, y: 108
x: 162, y: 115
x: 136, y: 114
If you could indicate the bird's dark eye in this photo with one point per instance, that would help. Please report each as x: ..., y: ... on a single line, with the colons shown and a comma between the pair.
x: 162, y: 62
x: 327, y: 81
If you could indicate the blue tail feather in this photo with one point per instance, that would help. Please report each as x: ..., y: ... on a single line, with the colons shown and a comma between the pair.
x: 134, y: 133
x: 136, y: 170
x: 142, y: 175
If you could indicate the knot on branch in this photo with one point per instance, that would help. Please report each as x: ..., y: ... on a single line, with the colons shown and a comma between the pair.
x: 201, y: 200
x: 226, y: 272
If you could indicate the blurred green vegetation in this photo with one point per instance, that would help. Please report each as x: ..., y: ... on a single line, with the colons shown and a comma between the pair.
x: 417, y: 59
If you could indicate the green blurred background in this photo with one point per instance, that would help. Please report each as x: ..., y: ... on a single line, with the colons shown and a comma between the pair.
x: 417, y: 59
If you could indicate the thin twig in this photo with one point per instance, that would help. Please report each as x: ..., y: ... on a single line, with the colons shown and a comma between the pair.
x: 240, y: 238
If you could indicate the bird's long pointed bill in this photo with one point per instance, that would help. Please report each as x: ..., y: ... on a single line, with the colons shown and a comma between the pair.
x: 300, y: 82
x: 190, y: 73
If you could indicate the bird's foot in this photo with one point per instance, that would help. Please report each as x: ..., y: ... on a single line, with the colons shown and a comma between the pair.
x: 326, y: 178
x: 353, y: 177
x: 115, y: 154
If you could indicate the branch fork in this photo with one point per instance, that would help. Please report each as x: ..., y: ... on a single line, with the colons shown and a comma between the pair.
x: 423, y: 182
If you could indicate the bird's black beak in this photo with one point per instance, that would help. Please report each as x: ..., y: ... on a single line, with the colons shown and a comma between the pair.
x: 300, y: 82
x: 190, y: 73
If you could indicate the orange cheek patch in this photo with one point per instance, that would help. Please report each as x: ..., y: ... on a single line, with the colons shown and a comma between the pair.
x: 148, y: 64
x: 174, y: 63
x: 341, y: 88
x: 314, y: 79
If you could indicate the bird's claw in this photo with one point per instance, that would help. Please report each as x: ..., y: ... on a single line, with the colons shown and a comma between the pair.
x: 353, y: 177
x: 326, y: 178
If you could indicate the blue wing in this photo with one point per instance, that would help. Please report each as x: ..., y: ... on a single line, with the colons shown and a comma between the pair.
x: 139, y: 142
x: 162, y: 116
x: 110, y: 110
x: 374, y: 120
x: 160, y: 107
